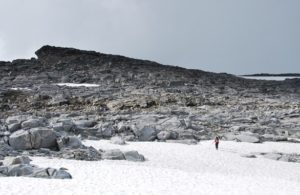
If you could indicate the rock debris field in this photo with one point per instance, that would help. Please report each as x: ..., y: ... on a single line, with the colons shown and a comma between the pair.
x: 133, y: 119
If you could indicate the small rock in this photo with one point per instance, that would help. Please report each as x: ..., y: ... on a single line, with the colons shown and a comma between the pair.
x: 248, y: 155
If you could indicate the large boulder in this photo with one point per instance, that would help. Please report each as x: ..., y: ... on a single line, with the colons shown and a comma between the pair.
x: 33, y: 139
x: 107, y: 130
x: 20, y: 170
x: 32, y: 123
x: 114, y: 154
x: 20, y: 140
x: 171, y: 124
x: 147, y: 133
x: 63, y: 125
x: 41, y: 173
x: 5, y: 150
x: 14, y: 127
x: 43, y: 138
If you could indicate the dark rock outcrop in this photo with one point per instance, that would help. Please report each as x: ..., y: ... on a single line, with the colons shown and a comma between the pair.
x: 139, y: 100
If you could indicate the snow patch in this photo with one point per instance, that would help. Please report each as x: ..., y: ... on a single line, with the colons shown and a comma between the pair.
x: 170, y: 168
x: 21, y: 89
x: 78, y: 84
x: 270, y: 78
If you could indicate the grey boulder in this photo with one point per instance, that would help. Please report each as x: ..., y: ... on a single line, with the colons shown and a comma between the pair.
x: 70, y: 142
x: 14, y: 127
x: 43, y: 138
x: 33, y: 139
x: 147, y: 133
x: 20, y: 170
x: 114, y: 154
x: 134, y: 156
x: 32, y: 123
x: 20, y: 140
x: 61, y: 174
x: 88, y: 154
x: 63, y: 125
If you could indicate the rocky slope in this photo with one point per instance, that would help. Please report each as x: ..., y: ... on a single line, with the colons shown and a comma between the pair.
x: 140, y: 100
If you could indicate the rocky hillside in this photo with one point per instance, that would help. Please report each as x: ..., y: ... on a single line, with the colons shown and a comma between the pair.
x: 141, y: 100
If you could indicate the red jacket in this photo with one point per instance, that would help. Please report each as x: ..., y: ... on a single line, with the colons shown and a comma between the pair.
x: 217, y: 140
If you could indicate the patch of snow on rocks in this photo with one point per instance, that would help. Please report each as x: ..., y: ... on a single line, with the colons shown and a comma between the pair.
x: 78, y: 84
x: 21, y: 89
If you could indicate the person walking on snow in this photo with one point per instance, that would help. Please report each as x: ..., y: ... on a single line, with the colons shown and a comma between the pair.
x: 217, y: 140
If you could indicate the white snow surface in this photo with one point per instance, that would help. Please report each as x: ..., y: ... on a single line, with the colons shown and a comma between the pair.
x: 21, y: 89
x: 171, y: 168
x: 78, y: 84
x: 271, y: 78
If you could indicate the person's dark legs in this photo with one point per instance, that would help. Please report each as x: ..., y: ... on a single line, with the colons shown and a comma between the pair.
x: 217, y: 146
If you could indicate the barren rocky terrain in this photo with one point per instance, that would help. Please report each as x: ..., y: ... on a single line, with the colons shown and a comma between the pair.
x: 133, y: 100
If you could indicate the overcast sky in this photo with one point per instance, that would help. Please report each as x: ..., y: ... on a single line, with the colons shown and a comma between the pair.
x: 234, y: 36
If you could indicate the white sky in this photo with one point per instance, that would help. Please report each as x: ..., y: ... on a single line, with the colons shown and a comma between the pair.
x: 235, y: 36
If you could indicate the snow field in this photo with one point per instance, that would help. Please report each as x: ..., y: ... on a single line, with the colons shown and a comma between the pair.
x: 170, y: 168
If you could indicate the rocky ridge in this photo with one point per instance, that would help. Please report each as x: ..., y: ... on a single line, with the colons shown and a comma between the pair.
x: 137, y: 100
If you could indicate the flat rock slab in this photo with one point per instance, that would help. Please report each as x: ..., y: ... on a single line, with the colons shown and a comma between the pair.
x: 20, y: 166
